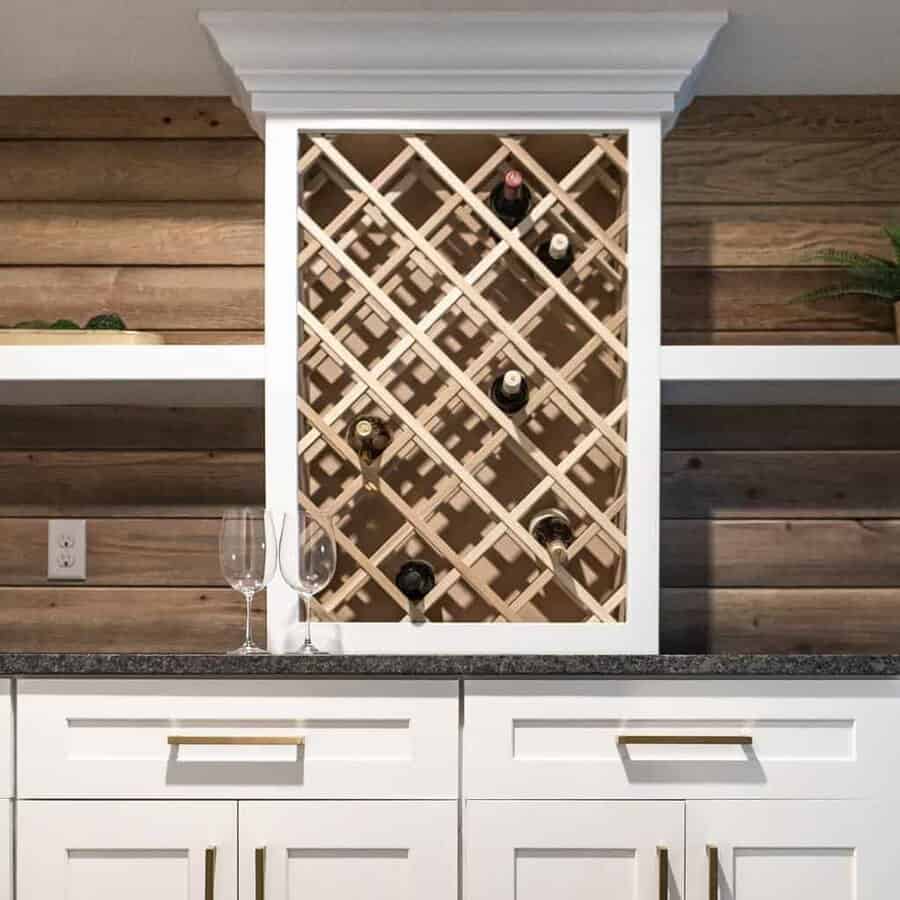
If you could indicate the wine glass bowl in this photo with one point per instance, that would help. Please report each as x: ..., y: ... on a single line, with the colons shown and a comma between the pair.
x: 308, y: 559
x: 247, y: 557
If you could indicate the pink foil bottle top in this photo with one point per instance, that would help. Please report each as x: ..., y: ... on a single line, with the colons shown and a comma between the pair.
x: 512, y: 184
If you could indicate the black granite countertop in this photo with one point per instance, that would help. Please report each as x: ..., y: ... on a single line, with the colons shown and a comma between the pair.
x: 169, y: 665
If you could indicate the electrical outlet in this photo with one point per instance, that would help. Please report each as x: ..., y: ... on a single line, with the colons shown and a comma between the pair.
x: 66, y: 550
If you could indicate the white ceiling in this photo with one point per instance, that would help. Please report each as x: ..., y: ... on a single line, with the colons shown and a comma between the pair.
x: 157, y: 47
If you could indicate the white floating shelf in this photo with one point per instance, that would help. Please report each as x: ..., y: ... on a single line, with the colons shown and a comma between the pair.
x: 188, y: 375
x: 826, y: 376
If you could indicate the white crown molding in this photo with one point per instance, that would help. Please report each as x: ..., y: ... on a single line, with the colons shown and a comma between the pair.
x: 476, y: 65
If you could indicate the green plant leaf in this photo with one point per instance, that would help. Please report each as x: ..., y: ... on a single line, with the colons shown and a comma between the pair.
x: 848, y: 289
x: 893, y: 233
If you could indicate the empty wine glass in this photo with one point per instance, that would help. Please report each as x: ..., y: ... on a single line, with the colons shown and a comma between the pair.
x: 307, y: 557
x: 247, y: 555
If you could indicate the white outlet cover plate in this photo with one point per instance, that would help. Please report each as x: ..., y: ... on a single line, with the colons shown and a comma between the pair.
x: 66, y: 550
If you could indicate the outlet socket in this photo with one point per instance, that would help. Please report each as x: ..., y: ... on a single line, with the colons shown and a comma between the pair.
x: 66, y: 550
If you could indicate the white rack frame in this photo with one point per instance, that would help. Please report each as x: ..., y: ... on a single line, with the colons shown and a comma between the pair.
x: 639, y: 632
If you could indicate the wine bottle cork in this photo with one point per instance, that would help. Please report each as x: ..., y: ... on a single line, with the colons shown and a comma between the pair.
x: 512, y: 382
x: 559, y: 246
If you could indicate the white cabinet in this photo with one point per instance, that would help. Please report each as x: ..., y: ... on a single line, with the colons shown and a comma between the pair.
x: 310, y: 739
x: 91, y: 850
x: 822, y: 849
x: 346, y: 850
x: 532, y: 850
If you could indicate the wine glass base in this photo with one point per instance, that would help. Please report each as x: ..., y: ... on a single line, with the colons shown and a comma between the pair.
x: 309, y: 650
x: 249, y: 650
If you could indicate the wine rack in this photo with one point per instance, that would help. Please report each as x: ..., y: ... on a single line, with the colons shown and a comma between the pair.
x: 413, y: 296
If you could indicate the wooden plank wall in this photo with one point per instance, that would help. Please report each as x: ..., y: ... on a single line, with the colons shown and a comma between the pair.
x: 781, y: 526
x: 150, y: 207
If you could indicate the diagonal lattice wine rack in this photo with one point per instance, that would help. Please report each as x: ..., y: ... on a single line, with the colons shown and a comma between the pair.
x: 413, y: 297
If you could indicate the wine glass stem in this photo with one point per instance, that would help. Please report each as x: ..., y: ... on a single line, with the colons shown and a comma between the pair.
x: 248, y: 632
x: 307, y: 601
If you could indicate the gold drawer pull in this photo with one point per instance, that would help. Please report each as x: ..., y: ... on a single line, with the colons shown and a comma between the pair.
x: 192, y: 740
x: 712, y: 854
x: 663, y: 856
x: 260, y: 873
x: 209, y: 893
x: 730, y: 740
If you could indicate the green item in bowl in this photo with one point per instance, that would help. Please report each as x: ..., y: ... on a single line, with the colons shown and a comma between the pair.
x: 107, y: 322
x: 33, y: 324
x: 65, y: 325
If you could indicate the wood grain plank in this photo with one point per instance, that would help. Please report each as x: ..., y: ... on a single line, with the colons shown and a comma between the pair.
x: 805, y: 171
x: 131, y: 171
x: 84, y: 234
x: 780, y: 428
x: 166, y: 118
x: 790, y: 118
x: 160, y: 298
x: 83, y: 483
x: 121, y: 553
x: 101, y: 428
x: 721, y: 235
x: 122, y: 620
x: 780, y: 620
x: 776, y: 484
x: 787, y: 553
x: 764, y: 300
x: 695, y: 338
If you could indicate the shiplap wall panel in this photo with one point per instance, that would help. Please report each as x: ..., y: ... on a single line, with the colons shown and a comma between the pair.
x: 119, y: 118
x: 777, y: 484
x: 125, y: 619
x: 137, y: 234
x: 131, y: 171
x: 780, y: 620
x: 99, y: 428
x: 153, y: 298
x: 178, y: 263
x: 136, y: 552
x: 129, y: 482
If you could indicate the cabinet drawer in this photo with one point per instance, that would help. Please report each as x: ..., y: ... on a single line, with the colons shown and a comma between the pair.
x: 215, y: 739
x: 6, y: 739
x: 680, y: 739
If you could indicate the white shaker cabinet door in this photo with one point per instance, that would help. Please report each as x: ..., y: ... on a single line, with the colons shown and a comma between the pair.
x: 345, y: 850
x: 815, y: 849
x: 6, y: 850
x: 585, y: 850
x: 98, y: 850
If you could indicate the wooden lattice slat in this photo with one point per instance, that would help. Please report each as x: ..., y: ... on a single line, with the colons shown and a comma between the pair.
x: 406, y: 314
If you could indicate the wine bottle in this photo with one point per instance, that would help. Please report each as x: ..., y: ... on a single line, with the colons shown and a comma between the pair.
x: 369, y: 436
x: 511, y: 199
x: 551, y: 529
x: 509, y: 391
x: 415, y: 579
x: 556, y: 253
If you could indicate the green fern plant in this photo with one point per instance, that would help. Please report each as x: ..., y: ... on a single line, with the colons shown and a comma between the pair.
x: 871, y: 276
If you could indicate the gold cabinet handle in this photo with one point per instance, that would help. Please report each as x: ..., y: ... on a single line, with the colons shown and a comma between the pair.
x: 663, y: 856
x: 260, y: 873
x: 728, y: 740
x: 209, y: 893
x: 712, y: 855
x: 193, y: 740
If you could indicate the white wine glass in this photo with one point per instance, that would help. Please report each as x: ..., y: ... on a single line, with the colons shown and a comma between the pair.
x: 307, y: 557
x: 248, y: 554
